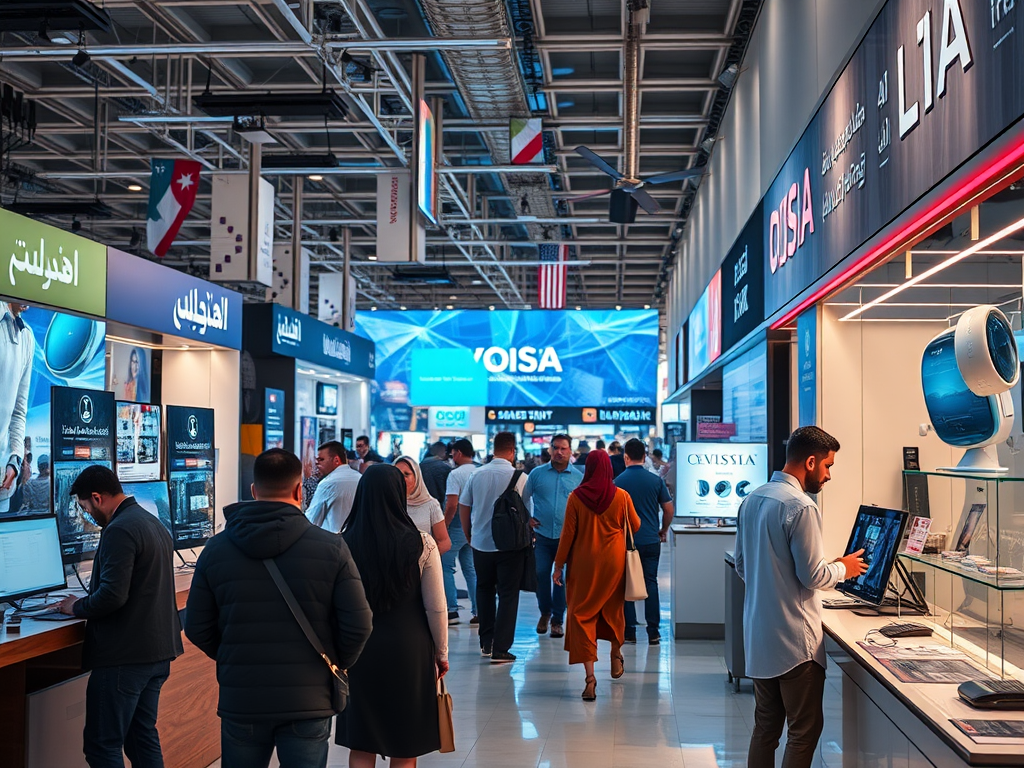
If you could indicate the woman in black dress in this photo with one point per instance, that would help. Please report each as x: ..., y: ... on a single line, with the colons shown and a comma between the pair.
x: 392, y: 708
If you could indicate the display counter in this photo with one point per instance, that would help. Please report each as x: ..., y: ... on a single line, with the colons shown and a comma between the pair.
x: 47, y: 654
x: 698, y: 583
x: 889, y: 722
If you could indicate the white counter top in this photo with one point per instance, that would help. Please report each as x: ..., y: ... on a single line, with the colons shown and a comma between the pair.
x: 933, y: 703
x: 705, y: 529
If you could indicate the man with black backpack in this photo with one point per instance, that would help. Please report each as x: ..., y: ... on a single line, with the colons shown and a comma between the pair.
x: 497, y: 527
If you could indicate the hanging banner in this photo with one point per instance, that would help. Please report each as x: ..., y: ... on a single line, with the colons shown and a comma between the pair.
x: 526, y: 142
x: 394, y: 208
x: 232, y: 257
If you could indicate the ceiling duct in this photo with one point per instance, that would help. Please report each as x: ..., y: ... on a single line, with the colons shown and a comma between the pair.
x: 323, y: 104
x: 489, y: 82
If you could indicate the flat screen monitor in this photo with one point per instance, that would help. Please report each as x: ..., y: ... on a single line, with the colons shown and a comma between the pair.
x: 79, y: 533
x: 154, y: 498
x: 30, y: 557
x: 326, y: 399
x: 138, y: 442
x: 192, y: 507
x: 713, y: 479
x: 878, y: 532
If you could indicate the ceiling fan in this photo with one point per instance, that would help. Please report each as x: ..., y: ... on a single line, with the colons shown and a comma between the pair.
x: 627, y: 193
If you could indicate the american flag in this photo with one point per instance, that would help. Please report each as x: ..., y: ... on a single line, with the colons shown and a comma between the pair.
x: 552, y: 278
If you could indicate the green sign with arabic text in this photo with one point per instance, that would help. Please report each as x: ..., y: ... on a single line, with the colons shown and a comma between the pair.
x: 40, y: 264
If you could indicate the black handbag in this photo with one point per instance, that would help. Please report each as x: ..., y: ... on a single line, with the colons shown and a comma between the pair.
x: 339, y: 677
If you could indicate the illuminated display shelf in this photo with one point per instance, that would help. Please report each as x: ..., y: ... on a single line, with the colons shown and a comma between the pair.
x: 1011, y: 583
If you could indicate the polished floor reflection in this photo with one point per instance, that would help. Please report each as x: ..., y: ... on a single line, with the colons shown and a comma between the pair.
x: 674, y: 707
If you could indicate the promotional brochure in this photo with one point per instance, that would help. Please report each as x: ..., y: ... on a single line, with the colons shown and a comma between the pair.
x: 919, y: 528
x: 925, y: 664
x: 992, y: 731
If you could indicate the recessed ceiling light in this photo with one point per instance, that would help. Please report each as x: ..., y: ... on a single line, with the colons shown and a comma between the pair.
x: 450, y: 306
x: 618, y: 306
x: 478, y: 282
x: 402, y: 307
x: 578, y: 308
x: 371, y: 258
x: 491, y: 307
x: 647, y: 306
x: 134, y: 187
x: 453, y: 297
x: 373, y: 309
x: 315, y: 177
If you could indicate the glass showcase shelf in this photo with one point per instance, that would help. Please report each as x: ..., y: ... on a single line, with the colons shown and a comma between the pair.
x: 1005, y: 583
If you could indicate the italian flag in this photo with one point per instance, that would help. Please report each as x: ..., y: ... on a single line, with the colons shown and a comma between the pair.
x: 172, y: 192
x: 526, y: 145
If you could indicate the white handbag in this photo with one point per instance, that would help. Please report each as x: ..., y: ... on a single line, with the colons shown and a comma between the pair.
x: 636, y: 587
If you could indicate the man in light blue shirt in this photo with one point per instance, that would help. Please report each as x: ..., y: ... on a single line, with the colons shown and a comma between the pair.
x: 332, y: 500
x: 547, y: 493
x: 779, y: 556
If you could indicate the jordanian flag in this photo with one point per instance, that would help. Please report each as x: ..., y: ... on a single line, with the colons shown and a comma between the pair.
x: 172, y: 192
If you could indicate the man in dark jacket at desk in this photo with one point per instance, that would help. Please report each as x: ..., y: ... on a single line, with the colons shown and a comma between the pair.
x: 275, y: 691
x: 132, y: 632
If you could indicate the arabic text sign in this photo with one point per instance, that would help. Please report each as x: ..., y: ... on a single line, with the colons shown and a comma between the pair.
x: 41, y: 264
x: 149, y: 295
x: 294, y: 334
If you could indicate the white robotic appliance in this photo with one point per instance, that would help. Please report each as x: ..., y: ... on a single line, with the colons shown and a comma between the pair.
x: 967, y: 372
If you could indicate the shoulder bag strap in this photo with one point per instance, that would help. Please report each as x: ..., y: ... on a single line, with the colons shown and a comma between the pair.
x: 630, y: 546
x: 300, y: 617
x: 515, y: 479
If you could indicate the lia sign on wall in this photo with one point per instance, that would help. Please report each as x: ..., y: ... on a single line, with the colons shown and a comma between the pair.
x: 931, y: 83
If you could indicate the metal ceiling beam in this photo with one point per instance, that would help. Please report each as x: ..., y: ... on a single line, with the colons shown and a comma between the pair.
x: 587, y: 42
x: 255, y: 49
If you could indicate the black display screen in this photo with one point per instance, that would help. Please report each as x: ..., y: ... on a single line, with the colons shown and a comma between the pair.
x: 878, y: 532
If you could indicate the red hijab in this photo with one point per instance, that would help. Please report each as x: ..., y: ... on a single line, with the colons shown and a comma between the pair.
x: 597, y: 491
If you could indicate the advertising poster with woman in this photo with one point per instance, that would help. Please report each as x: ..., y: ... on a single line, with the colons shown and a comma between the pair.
x: 129, y: 373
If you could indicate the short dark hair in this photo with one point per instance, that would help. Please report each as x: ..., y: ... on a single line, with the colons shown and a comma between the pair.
x: 336, y: 449
x: 615, y: 446
x: 439, y: 449
x: 464, y: 446
x: 561, y: 436
x: 599, y: 445
x: 96, y: 479
x: 364, y: 438
x: 276, y: 471
x: 809, y: 441
x: 504, y: 442
x: 635, y: 449
x: 43, y: 461
x: 656, y: 453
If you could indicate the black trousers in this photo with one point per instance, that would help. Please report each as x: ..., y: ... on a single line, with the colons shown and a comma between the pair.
x: 794, y: 699
x: 498, y: 576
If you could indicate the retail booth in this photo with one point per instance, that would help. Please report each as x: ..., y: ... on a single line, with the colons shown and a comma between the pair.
x: 304, y: 382
x: 889, y: 260
x: 125, y: 362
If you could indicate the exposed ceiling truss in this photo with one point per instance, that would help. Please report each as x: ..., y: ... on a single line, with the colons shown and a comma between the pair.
x: 101, y: 123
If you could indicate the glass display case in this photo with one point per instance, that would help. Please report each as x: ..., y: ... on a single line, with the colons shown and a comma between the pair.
x: 972, y: 574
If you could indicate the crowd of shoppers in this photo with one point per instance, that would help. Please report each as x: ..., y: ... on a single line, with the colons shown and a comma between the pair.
x: 287, y: 607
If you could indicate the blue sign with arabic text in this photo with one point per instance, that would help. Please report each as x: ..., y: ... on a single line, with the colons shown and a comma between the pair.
x: 147, y: 295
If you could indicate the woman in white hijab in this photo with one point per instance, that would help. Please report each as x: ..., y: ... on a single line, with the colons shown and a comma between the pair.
x: 424, y: 509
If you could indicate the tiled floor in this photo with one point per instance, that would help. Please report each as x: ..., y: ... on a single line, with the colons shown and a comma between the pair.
x: 673, y: 708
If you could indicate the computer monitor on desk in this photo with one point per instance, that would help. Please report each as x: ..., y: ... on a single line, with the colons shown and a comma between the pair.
x: 879, y: 532
x: 30, y: 559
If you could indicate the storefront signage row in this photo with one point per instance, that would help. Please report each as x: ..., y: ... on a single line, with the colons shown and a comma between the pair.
x: 932, y: 82
x: 40, y: 264
x: 565, y: 416
x: 294, y: 334
x: 147, y: 295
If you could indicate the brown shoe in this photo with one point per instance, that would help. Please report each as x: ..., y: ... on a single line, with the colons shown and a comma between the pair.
x: 618, y: 666
x: 557, y: 630
x: 590, y: 692
x: 542, y: 625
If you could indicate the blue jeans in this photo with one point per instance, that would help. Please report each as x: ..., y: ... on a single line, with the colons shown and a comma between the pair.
x: 650, y: 554
x: 550, y: 597
x: 120, y: 713
x: 300, y: 743
x: 462, y: 552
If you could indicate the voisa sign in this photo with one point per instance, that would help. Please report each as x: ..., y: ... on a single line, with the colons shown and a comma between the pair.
x: 931, y: 83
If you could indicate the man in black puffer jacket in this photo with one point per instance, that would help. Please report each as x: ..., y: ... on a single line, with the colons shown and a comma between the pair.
x: 275, y: 691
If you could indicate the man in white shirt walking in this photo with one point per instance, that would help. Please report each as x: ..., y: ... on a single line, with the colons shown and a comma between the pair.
x: 498, y: 574
x: 779, y: 557
x: 332, y: 500
x: 17, y: 345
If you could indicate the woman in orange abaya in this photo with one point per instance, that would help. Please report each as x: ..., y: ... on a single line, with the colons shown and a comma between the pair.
x: 593, y: 544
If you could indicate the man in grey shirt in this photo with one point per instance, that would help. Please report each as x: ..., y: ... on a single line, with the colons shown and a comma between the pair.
x: 779, y: 557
